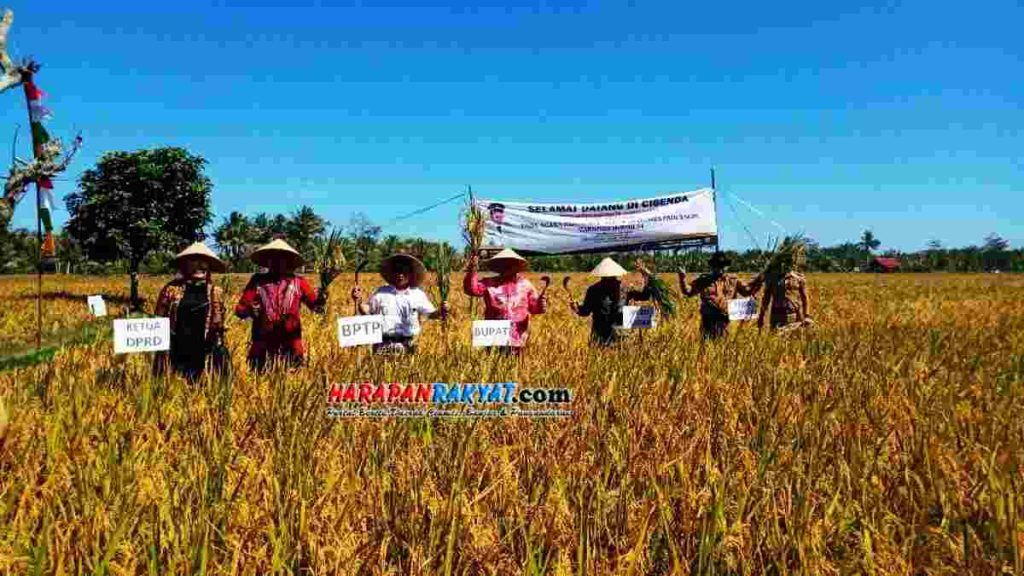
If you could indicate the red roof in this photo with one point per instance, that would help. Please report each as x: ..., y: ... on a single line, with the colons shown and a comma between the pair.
x: 887, y: 263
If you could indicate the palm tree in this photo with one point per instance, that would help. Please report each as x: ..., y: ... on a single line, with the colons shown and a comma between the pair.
x: 303, y: 228
x: 233, y: 238
x: 867, y: 243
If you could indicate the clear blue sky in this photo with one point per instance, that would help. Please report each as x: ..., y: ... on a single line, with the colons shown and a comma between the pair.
x: 902, y: 117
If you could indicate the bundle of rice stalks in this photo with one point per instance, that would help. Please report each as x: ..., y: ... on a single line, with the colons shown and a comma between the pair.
x: 657, y: 290
x: 445, y: 256
x: 473, y: 226
x: 787, y: 255
x: 329, y: 257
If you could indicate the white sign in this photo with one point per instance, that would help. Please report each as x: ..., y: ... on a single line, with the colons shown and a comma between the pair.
x: 97, y: 307
x: 141, y: 335
x: 615, y: 225
x: 492, y: 332
x: 359, y: 330
x: 639, y: 317
x: 742, y: 309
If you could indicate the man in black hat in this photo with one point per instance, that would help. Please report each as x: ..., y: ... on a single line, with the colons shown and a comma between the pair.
x: 716, y: 288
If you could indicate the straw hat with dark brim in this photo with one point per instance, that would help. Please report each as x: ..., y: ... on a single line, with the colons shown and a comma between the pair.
x: 507, y: 258
x: 608, y: 268
x: 719, y: 259
x: 200, y: 251
x: 277, y: 248
x: 387, y: 268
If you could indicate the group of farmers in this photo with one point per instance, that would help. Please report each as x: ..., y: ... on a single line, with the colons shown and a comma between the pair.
x: 273, y: 299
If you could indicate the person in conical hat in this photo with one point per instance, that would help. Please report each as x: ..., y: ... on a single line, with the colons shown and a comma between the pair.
x: 401, y: 301
x: 196, y: 309
x: 274, y: 301
x: 716, y: 288
x: 603, y: 301
x: 508, y: 295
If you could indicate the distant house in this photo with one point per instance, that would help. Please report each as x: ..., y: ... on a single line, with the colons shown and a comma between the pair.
x: 883, y: 264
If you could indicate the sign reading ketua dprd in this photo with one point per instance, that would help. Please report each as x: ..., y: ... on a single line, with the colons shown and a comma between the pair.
x: 141, y: 335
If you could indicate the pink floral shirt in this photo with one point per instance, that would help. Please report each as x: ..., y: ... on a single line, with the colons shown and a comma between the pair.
x: 514, y: 301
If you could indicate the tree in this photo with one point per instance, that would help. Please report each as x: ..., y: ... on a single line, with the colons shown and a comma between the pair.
x: 994, y: 253
x: 868, y: 242
x: 134, y: 203
x: 303, y: 228
x: 233, y: 238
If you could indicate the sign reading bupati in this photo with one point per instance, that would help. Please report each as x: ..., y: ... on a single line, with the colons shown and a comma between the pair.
x: 627, y: 224
x: 360, y: 330
x: 639, y: 317
x: 141, y: 335
x: 742, y: 309
x: 492, y: 332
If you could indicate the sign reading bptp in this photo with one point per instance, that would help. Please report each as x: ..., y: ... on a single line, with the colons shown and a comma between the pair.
x: 492, y: 333
x: 639, y: 317
x: 141, y: 335
x: 742, y: 309
x: 360, y: 330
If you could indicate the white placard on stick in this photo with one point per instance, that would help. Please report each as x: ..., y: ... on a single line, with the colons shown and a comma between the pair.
x: 492, y: 332
x: 141, y: 335
x: 639, y: 317
x: 742, y: 309
x: 97, y: 307
x: 360, y: 330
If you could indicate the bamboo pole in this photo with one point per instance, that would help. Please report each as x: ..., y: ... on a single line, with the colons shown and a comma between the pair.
x: 37, y: 151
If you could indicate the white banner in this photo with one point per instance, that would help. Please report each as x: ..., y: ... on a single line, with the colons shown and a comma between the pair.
x: 743, y: 309
x: 615, y: 225
x: 492, y: 332
x: 141, y: 335
x: 639, y: 317
x: 360, y: 330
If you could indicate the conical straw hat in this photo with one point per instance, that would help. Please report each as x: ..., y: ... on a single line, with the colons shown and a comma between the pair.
x: 506, y: 257
x: 276, y: 247
x: 608, y: 267
x: 418, y: 269
x: 203, y: 252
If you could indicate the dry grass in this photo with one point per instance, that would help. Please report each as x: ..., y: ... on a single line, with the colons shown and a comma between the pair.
x: 888, y: 441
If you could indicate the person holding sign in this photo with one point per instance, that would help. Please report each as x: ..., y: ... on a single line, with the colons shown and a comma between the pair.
x: 508, y: 296
x: 196, y: 311
x: 603, y: 302
x: 401, y: 302
x: 716, y: 289
x: 274, y: 300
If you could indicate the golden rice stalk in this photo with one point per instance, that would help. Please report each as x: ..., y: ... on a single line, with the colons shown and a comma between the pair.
x: 787, y: 255
x: 473, y: 227
x: 3, y: 422
x: 329, y: 256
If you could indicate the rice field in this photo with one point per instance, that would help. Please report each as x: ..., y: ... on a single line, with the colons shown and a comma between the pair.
x: 889, y: 440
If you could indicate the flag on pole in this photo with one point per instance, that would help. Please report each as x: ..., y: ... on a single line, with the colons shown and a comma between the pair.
x: 37, y: 114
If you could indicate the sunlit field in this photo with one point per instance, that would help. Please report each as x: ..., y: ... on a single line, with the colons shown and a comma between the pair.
x: 888, y: 440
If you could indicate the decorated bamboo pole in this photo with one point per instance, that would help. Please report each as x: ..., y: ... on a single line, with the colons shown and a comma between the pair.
x: 35, y: 112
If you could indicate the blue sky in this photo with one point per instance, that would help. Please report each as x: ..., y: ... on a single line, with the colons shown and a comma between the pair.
x: 828, y: 117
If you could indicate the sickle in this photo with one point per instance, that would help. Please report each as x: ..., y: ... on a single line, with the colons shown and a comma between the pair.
x: 565, y: 283
x: 359, y: 268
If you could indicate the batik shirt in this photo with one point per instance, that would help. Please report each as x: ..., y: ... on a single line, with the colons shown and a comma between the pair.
x: 278, y: 328
x: 515, y: 300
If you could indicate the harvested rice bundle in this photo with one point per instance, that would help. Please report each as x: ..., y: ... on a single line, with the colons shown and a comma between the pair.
x: 329, y: 257
x: 473, y: 226
x: 445, y: 264
x: 657, y: 290
x: 788, y: 255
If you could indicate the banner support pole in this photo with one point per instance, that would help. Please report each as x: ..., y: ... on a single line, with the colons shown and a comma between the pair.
x: 714, y: 198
